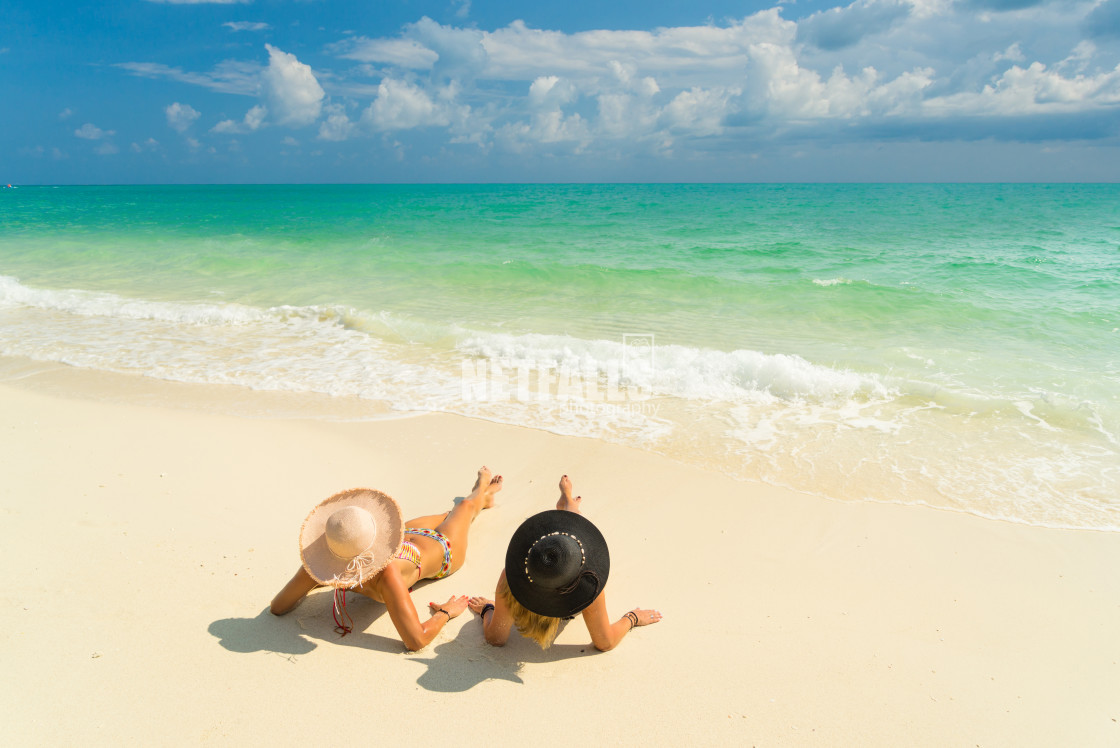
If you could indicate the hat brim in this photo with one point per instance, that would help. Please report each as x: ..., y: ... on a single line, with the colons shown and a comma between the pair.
x: 327, y: 568
x: 548, y: 602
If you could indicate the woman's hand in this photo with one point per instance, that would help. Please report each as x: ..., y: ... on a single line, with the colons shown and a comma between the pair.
x: 476, y: 604
x: 646, y: 617
x: 454, y: 606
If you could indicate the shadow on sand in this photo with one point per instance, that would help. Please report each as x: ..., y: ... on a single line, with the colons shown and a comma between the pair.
x: 453, y: 666
x: 467, y: 660
x: 294, y: 633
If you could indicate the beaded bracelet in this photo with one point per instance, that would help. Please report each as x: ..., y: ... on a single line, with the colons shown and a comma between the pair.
x: 441, y: 610
x: 486, y: 609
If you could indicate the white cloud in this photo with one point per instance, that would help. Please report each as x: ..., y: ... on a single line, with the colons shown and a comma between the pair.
x: 105, y: 149
x: 405, y: 53
x: 230, y: 76
x: 89, y: 131
x: 181, y: 116
x: 337, y: 126
x: 151, y: 144
x: 294, y: 95
x: 700, y: 111
x: 252, y: 120
x: 551, y: 127
x: 867, y: 66
x: 246, y: 26
x: 403, y: 106
x: 1032, y: 90
x: 841, y: 27
x: 551, y: 91
x: 65, y: 113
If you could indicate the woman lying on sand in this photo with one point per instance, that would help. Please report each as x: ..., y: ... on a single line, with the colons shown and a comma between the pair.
x: 556, y: 566
x: 355, y: 541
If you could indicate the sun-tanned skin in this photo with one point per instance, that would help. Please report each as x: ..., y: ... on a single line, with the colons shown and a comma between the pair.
x: 605, y: 635
x: 391, y: 585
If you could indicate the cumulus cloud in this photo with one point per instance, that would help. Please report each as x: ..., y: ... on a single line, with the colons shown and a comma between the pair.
x: 699, y: 111
x: 337, y: 125
x: 151, y: 144
x: 90, y: 131
x: 1034, y: 89
x: 252, y: 120
x: 402, y: 106
x: 1003, y: 5
x: 837, y: 28
x: 294, y: 94
x: 933, y: 69
x: 181, y: 116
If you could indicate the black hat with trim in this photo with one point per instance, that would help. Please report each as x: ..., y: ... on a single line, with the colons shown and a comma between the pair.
x: 557, y: 563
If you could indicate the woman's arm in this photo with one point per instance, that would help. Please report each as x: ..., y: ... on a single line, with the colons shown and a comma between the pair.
x: 496, y: 620
x: 606, y: 635
x: 414, y: 634
x: 293, y: 592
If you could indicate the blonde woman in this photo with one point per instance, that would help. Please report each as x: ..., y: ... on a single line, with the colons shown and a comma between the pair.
x: 556, y: 566
x: 357, y: 540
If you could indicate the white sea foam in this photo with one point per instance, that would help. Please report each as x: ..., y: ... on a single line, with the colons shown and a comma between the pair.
x: 1028, y: 455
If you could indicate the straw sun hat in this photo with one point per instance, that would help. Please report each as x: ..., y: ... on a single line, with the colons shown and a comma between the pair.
x: 350, y: 537
x: 557, y: 563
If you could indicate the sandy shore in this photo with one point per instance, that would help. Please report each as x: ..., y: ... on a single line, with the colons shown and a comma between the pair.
x: 142, y: 544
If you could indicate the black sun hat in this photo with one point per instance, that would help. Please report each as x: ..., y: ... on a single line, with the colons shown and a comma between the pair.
x: 557, y: 563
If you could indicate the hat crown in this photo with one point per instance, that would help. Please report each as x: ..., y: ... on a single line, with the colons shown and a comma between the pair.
x: 350, y: 531
x: 555, y: 560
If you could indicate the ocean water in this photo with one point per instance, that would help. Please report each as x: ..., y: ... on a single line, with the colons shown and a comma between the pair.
x: 950, y: 345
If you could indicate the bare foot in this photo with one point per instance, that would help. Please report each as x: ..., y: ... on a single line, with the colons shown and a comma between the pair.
x: 483, y: 479
x: 485, y: 487
x: 566, y: 502
x: 493, y: 488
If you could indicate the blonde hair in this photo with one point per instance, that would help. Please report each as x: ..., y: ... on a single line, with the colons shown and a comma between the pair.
x: 541, y: 629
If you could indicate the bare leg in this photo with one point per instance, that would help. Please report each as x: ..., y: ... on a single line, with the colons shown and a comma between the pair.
x: 458, y: 523
x: 566, y: 502
x: 431, y: 521
x: 293, y: 592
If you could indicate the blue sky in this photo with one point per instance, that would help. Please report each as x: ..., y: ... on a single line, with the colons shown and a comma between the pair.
x: 140, y: 91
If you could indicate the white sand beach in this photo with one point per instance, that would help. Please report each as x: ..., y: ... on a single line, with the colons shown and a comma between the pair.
x: 142, y: 544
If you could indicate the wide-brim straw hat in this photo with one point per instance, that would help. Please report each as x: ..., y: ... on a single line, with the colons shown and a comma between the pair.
x: 557, y: 563
x: 350, y: 537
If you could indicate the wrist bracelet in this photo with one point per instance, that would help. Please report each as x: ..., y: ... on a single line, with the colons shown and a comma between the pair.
x: 441, y: 610
x: 633, y: 618
x: 485, y: 609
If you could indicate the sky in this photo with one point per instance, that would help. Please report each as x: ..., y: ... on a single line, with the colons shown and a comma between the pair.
x: 307, y: 91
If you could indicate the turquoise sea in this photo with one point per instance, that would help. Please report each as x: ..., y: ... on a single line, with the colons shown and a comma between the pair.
x: 951, y: 345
